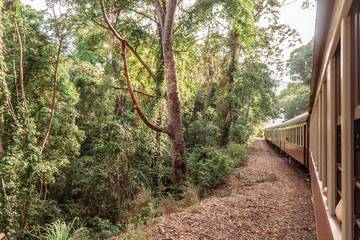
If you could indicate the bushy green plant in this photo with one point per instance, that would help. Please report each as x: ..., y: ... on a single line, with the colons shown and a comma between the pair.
x: 103, y: 228
x: 202, y: 133
x: 240, y: 133
x: 60, y: 230
x: 210, y: 166
x: 237, y: 152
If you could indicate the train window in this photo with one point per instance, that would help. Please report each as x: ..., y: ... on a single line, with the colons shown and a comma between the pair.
x: 302, y: 136
x: 287, y: 135
x: 293, y: 135
x: 298, y: 136
x: 290, y: 135
x: 355, y: 24
x: 337, y: 84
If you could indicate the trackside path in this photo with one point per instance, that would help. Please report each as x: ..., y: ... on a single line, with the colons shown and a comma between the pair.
x: 269, y: 198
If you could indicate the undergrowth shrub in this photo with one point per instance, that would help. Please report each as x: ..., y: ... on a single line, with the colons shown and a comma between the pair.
x: 201, y: 133
x: 60, y: 230
x: 210, y: 166
x: 240, y: 133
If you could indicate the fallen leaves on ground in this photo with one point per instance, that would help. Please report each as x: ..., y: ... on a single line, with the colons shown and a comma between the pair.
x: 269, y: 198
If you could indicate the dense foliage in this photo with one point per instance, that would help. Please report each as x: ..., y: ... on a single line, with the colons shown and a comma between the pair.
x: 294, y: 99
x: 73, y: 148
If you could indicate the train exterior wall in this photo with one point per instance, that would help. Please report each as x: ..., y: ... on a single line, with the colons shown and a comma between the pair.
x: 335, y: 117
x: 322, y: 218
x: 331, y: 146
x: 295, y: 151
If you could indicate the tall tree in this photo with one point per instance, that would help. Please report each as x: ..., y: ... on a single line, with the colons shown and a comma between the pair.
x: 240, y: 27
x: 300, y: 63
x: 2, y: 79
x: 294, y: 99
x: 25, y: 173
x: 62, y: 27
x: 165, y: 13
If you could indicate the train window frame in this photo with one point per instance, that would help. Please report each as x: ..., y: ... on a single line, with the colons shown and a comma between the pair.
x: 298, y: 136
x: 289, y: 130
x: 302, y: 136
x: 287, y: 135
x: 294, y: 135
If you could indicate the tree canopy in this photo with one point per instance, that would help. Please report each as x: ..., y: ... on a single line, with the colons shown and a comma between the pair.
x: 106, y: 104
x: 294, y: 99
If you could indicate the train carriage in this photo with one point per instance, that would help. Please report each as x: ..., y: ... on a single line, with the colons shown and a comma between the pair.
x: 332, y: 151
x: 290, y: 137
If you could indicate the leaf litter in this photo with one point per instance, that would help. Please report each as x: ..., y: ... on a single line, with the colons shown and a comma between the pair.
x: 268, y: 198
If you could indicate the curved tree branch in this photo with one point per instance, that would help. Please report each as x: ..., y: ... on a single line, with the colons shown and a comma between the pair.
x: 145, y: 15
x: 117, y: 35
x: 21, y: 63
x: 159, y: 10
x: 135, y: 91
x: 169, y: 17
x: 131, y: 91
x: 60, y: 36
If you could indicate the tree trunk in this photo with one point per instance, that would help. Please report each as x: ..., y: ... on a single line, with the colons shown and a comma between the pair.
x: 166, y: 16
x: 21, y: 55
x: 2, y: 78
x: 247, y: 110
x: 232, y: 69
x: 175, y: 127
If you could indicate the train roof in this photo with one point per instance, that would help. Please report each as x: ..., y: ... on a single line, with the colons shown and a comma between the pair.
x: 322, y: 24
x: 296, y: 120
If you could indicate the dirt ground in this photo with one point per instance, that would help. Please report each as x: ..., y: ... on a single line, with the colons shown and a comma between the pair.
x: 268, y: 198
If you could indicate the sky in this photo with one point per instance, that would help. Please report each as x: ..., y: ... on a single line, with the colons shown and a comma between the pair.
x: 301, y: 20
x: 304, y: 22
x: 292, y: 14
x: 37, y: 4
